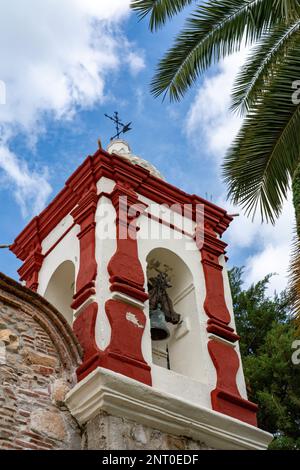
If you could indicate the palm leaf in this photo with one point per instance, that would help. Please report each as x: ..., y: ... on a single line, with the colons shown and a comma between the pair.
x: 262, y: 160
x: 294, y: 279
x: 159, y: 10
x: 289, y: 9
x: 215, y: 30
x: 261, y: 65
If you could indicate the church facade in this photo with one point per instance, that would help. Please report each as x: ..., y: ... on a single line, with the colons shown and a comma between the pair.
x: 92, y: 255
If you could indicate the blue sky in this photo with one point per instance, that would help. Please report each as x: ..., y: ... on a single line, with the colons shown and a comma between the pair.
x: 66, y: 63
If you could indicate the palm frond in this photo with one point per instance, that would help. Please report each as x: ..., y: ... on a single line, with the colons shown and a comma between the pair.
x: 160, y: 10
x: 259, y: 165
x: 294, y: 279
x: 289, y: 9
x: 261, y: 65
x: 215, y: 30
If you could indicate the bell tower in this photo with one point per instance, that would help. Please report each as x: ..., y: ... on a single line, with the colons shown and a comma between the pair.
x: 138, y: 268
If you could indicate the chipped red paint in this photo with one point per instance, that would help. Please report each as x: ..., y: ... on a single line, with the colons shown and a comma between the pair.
x: 124, y: 354
x: 226, y: 397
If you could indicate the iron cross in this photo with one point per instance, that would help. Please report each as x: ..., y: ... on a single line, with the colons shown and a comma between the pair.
x: 120, y: 127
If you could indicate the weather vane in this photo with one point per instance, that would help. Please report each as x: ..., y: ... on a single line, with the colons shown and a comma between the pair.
x: 120, y: 127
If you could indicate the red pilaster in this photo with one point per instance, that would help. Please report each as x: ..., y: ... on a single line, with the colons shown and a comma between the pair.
x: 225, y: 397
x: 84, y: 215
x: 127, y: 277
x: 124, y: 353
x: 215, y: 304
x: 126, y: 273
x: 85, y: 323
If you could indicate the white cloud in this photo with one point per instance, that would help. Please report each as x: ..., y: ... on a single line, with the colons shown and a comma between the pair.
x: 209, y: 118
x: 212, y: 127
x: 274, y: 259
x: 270, y: 245
x: 31, y: 188
x: 56, y: 56
x: 136, y: 62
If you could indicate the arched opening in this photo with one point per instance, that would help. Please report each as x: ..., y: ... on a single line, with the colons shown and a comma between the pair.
x: 176, y: 351
x: 60, y: 289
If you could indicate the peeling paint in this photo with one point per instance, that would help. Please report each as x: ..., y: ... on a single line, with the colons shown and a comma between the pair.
x: 133, y: 319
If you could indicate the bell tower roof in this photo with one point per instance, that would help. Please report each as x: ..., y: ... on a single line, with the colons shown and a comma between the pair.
x: 121, y: 148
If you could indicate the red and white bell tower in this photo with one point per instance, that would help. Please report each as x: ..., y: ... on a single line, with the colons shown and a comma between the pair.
x: 91, y: 252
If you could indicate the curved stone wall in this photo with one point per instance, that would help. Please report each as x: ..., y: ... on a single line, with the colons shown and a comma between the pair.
x: 39, y: 355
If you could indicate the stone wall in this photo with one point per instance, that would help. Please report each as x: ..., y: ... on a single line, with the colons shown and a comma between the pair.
x: 38, y: 358
x: 106, y: 432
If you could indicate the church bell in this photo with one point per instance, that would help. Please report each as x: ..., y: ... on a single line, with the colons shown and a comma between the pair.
x: 159, y: 329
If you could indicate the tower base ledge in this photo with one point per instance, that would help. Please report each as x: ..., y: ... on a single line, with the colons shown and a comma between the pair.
x: 117, y: 395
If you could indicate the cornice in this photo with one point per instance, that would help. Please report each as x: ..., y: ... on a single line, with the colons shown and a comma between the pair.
x: 116, y: 394
x: 119, y: 170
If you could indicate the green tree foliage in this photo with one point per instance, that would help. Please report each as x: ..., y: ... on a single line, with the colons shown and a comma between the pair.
x: 273, y: 382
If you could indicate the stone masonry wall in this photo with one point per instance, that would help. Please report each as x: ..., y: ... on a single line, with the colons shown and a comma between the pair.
x: 38, y: 358
x: 107, y: 432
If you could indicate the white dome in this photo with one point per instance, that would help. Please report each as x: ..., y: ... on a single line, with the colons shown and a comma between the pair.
x: 121, y: 147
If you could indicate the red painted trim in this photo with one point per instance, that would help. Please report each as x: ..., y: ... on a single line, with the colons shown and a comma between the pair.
x: 79, y: 299
x: 129, y: 290
x: 125, y: 270
x: 84, y: 215
x: 125, y: 348
x: 124, y: 354
x: 127, y: 276
x: 115, y: 168
x: 215, y: 304
x: 226, y: 397
x: 223, y: 333
x: 29, y: 271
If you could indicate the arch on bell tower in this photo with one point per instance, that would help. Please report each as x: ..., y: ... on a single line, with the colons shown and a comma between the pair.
x: 60, y: 289
x: 175, y: 352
